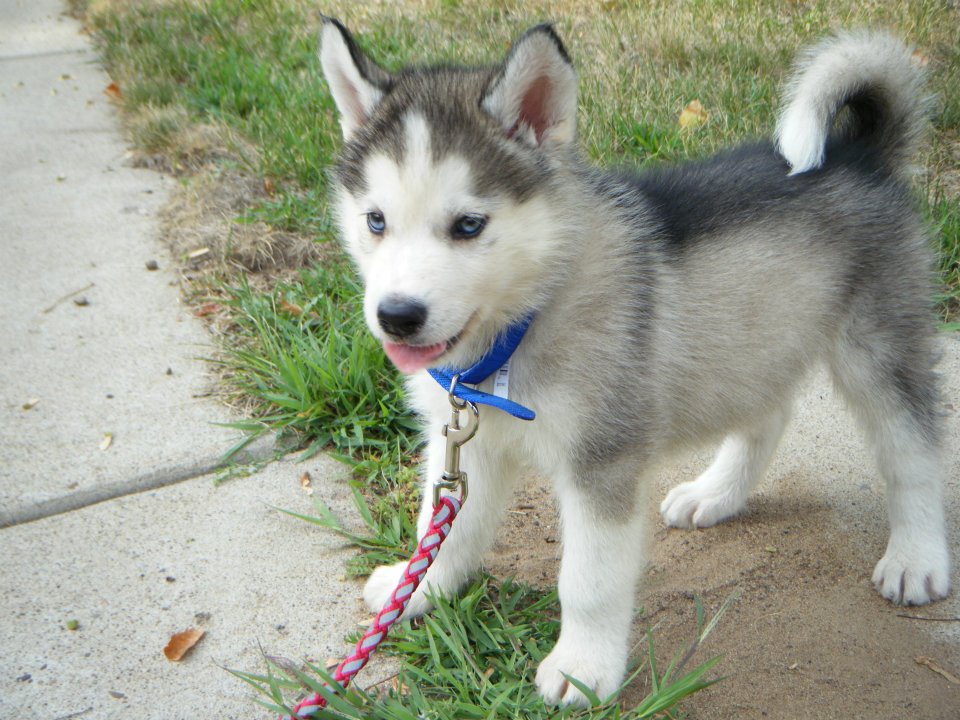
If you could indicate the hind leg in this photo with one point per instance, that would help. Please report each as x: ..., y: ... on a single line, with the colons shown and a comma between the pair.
x: 721, y: 492
x: 893, y: 391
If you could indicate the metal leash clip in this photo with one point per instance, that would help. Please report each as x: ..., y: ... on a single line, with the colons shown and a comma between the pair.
x: 464, y: 421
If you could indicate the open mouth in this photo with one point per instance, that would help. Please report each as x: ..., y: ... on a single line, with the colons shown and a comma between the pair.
x: 411, y: 358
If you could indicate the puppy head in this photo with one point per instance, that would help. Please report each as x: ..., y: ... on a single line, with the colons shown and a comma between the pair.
x: 445, y: 190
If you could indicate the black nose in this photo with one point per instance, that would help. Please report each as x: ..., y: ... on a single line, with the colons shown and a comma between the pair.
x: 401, y: 317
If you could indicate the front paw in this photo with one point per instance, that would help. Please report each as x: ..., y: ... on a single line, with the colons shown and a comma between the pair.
x: 381, y: 584
x: 914, y: 570
x: 600, y: 673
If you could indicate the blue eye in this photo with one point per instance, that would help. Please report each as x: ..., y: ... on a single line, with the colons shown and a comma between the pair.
x: 376, y: 222
x: 469, y: 226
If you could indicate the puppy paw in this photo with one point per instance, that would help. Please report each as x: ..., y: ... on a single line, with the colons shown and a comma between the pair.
x: 914, y: 571
x: 698, y: 505
x: 381, y: 584
x: 602, y: 674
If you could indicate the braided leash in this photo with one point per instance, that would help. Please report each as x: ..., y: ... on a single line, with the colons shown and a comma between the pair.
x: 445, y: 508
x: 428, y: 547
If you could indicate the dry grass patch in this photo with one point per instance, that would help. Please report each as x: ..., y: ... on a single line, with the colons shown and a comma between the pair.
x: 202, y: 229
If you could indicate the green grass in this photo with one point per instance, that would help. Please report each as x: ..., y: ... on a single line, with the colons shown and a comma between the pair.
x: 249, y: 65
x: 475, y: 656
x: 304, y: 351
x: 252, y: 66
x: 297, y: 350
x: 944, y: 217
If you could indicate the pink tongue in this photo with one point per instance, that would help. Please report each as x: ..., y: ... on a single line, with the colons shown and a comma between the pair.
x: 410, y: 358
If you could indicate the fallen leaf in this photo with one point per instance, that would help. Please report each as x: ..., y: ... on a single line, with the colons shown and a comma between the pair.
x: 113, y: 90
x: 181, y: 643
x: 399, y: 687
x: 291, y: 308
x: 937, y: 668
x: 269, y: 187
x: 693, y: 114
x: 305, y: 483
x: 206, y: 309
x: 919, y: 59
x: 107, y: 440
x: 30, y: 404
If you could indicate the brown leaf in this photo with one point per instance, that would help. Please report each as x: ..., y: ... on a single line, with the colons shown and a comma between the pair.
x: 937, y: 668
x: 206, y: 309
x: 399, y: 687
x: 113, y: 90
x: 291, y: 308
x: 180, y: 644
x: 305, y: 483
x: 269, y: 187
x: 693, y: 114
x: 919, y: 59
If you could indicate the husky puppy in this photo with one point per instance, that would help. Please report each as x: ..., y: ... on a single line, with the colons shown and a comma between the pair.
x: 670, y: 308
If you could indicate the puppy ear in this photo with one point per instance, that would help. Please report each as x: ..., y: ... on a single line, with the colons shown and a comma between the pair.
x: 356, y: 82
x: 535, y: 95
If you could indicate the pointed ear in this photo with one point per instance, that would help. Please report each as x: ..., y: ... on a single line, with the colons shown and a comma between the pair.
x: 534, y: 98
x: 356, y: 82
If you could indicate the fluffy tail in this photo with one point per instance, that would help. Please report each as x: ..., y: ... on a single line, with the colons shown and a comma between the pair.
x: 873, y: 76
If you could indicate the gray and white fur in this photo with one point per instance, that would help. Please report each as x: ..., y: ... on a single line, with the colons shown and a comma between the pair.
x: 672, y: 308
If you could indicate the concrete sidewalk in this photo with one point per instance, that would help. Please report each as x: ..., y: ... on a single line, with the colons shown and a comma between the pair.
x: 80, y: 539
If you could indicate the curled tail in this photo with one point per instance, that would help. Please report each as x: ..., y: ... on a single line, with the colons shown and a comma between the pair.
x: 873, y: 76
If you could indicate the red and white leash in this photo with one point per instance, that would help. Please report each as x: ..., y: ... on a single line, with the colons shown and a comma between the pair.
x: 427, y: 548
x: 445, y: 509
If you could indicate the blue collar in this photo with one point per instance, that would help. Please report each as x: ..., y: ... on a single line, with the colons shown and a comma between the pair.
x: 496, y: 357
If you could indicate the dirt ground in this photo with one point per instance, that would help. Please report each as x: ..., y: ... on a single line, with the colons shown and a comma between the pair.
x: 809, y: 638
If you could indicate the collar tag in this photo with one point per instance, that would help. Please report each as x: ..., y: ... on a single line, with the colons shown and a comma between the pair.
x: 501, y: 382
